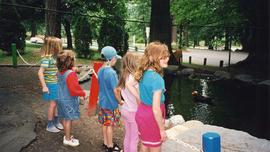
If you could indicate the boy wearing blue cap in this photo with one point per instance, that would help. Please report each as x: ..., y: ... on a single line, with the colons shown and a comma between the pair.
x: 109, y: 113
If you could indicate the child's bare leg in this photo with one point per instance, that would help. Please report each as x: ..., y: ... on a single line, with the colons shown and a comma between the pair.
x: 55, y: 110
x: 110, y: 136
x: 155, y: 149
x: 67, y: 128
x: 143, y: 148
x: 104, y: 132
x: 51, y: 110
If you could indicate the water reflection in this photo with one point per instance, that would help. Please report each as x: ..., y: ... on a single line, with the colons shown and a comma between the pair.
x: 237, y: 105
x: 204, y: 87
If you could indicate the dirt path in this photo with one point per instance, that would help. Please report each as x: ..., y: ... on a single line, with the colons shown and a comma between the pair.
x: 21, y: 84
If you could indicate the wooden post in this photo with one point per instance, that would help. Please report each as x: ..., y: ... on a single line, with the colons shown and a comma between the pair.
x: 14, y: 55
x: 221, y: 63
x: 204, y: 61
x: 189, y: 60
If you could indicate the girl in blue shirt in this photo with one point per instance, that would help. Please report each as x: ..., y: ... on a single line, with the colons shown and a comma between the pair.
x: 150, y: 115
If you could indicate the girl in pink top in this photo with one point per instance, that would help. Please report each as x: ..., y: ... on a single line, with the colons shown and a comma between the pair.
x: 130, y: 94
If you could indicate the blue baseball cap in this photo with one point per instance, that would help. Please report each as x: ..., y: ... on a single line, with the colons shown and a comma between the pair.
x: 109, y: 52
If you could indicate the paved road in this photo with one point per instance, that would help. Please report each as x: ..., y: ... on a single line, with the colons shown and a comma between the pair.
x: 213, y: 57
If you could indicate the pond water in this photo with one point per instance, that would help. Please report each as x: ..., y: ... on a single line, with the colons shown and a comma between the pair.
x: 237, y: 105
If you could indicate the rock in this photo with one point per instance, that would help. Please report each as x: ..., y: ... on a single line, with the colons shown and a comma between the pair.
x: 265, y: 82
x: 173, y: 146
x: 222, y: 75
x: 190, y: 139
x: 167, y: 123
x: 176, y: 120
x: 186, y: 71
x: 176, y: 130
x: 192, y: 124
x: 244, y: 78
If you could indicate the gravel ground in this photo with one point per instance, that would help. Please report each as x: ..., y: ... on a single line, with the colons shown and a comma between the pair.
x: 20, y: 85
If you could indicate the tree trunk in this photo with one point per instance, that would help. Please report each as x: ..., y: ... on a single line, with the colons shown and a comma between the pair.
x: 180, y: 39
x: 33, y: 28
x: 161, y: 24
x: 66, y: 24
x: 258, y: 16
x: 186, y: 36
x: 53, y: 18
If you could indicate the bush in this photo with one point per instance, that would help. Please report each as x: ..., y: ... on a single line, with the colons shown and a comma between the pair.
x: 11, y: 32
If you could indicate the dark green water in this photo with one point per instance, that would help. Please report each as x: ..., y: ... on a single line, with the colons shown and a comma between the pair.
x: 237, y: 105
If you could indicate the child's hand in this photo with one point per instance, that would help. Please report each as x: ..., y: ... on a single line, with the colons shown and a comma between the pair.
x: 163, y: 135
x: 121, y: 103
x: 82, y: 98
x: 45, y: 89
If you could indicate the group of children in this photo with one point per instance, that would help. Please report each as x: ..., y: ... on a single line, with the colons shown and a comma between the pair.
x: 60, y: 88
x: 137, y: 96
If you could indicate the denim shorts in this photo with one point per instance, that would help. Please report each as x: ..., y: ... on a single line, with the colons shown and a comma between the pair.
x: 68, y: 109
x: 52, y: 94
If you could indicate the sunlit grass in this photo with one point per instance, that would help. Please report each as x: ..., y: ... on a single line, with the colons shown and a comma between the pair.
x: 32, y: 55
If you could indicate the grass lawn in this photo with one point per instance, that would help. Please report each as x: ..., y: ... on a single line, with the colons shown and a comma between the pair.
x: 32, y: 55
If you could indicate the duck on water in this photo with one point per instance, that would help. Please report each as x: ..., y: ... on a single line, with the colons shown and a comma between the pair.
x: 197, y: 98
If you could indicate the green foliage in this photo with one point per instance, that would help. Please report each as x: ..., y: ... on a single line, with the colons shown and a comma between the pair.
x: 112, y: 34
x: 138, y: 10
x: 208, y: 19
x: 83, y: 37
x: 112, y: 29
x: 11, y: 32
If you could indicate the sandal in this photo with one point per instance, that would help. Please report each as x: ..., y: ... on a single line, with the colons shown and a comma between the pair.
x: 115, y: 148
x: 104, y: 147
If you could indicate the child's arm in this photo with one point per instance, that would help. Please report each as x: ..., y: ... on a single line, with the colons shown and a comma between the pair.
x: 158, y: 114
x: 130, y: 84
x: 41, y: 79
x: 74, y: 86
x: 117, y: 94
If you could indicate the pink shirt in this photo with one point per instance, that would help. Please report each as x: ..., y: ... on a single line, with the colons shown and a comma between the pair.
x: 130, y: 100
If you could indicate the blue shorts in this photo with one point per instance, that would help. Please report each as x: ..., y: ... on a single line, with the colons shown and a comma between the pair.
x: 68, y: 109
x: 52, y: 95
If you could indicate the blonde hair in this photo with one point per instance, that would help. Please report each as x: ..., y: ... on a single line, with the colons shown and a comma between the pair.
x: 52, y: 46
x: 65, y: 60
x: 129, y: 66
x: 151, y: 58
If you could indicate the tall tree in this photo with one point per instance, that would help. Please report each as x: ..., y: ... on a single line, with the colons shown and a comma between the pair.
x: 161, y: 24
x: 53, y: 18
x: 257, y: 36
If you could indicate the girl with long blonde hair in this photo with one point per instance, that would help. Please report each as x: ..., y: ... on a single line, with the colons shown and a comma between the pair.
x: 130, y: 94
x: 48, y: 79
x: 150, y: 115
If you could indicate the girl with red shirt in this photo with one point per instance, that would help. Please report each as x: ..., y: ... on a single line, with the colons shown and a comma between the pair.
x: 69, y: 92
